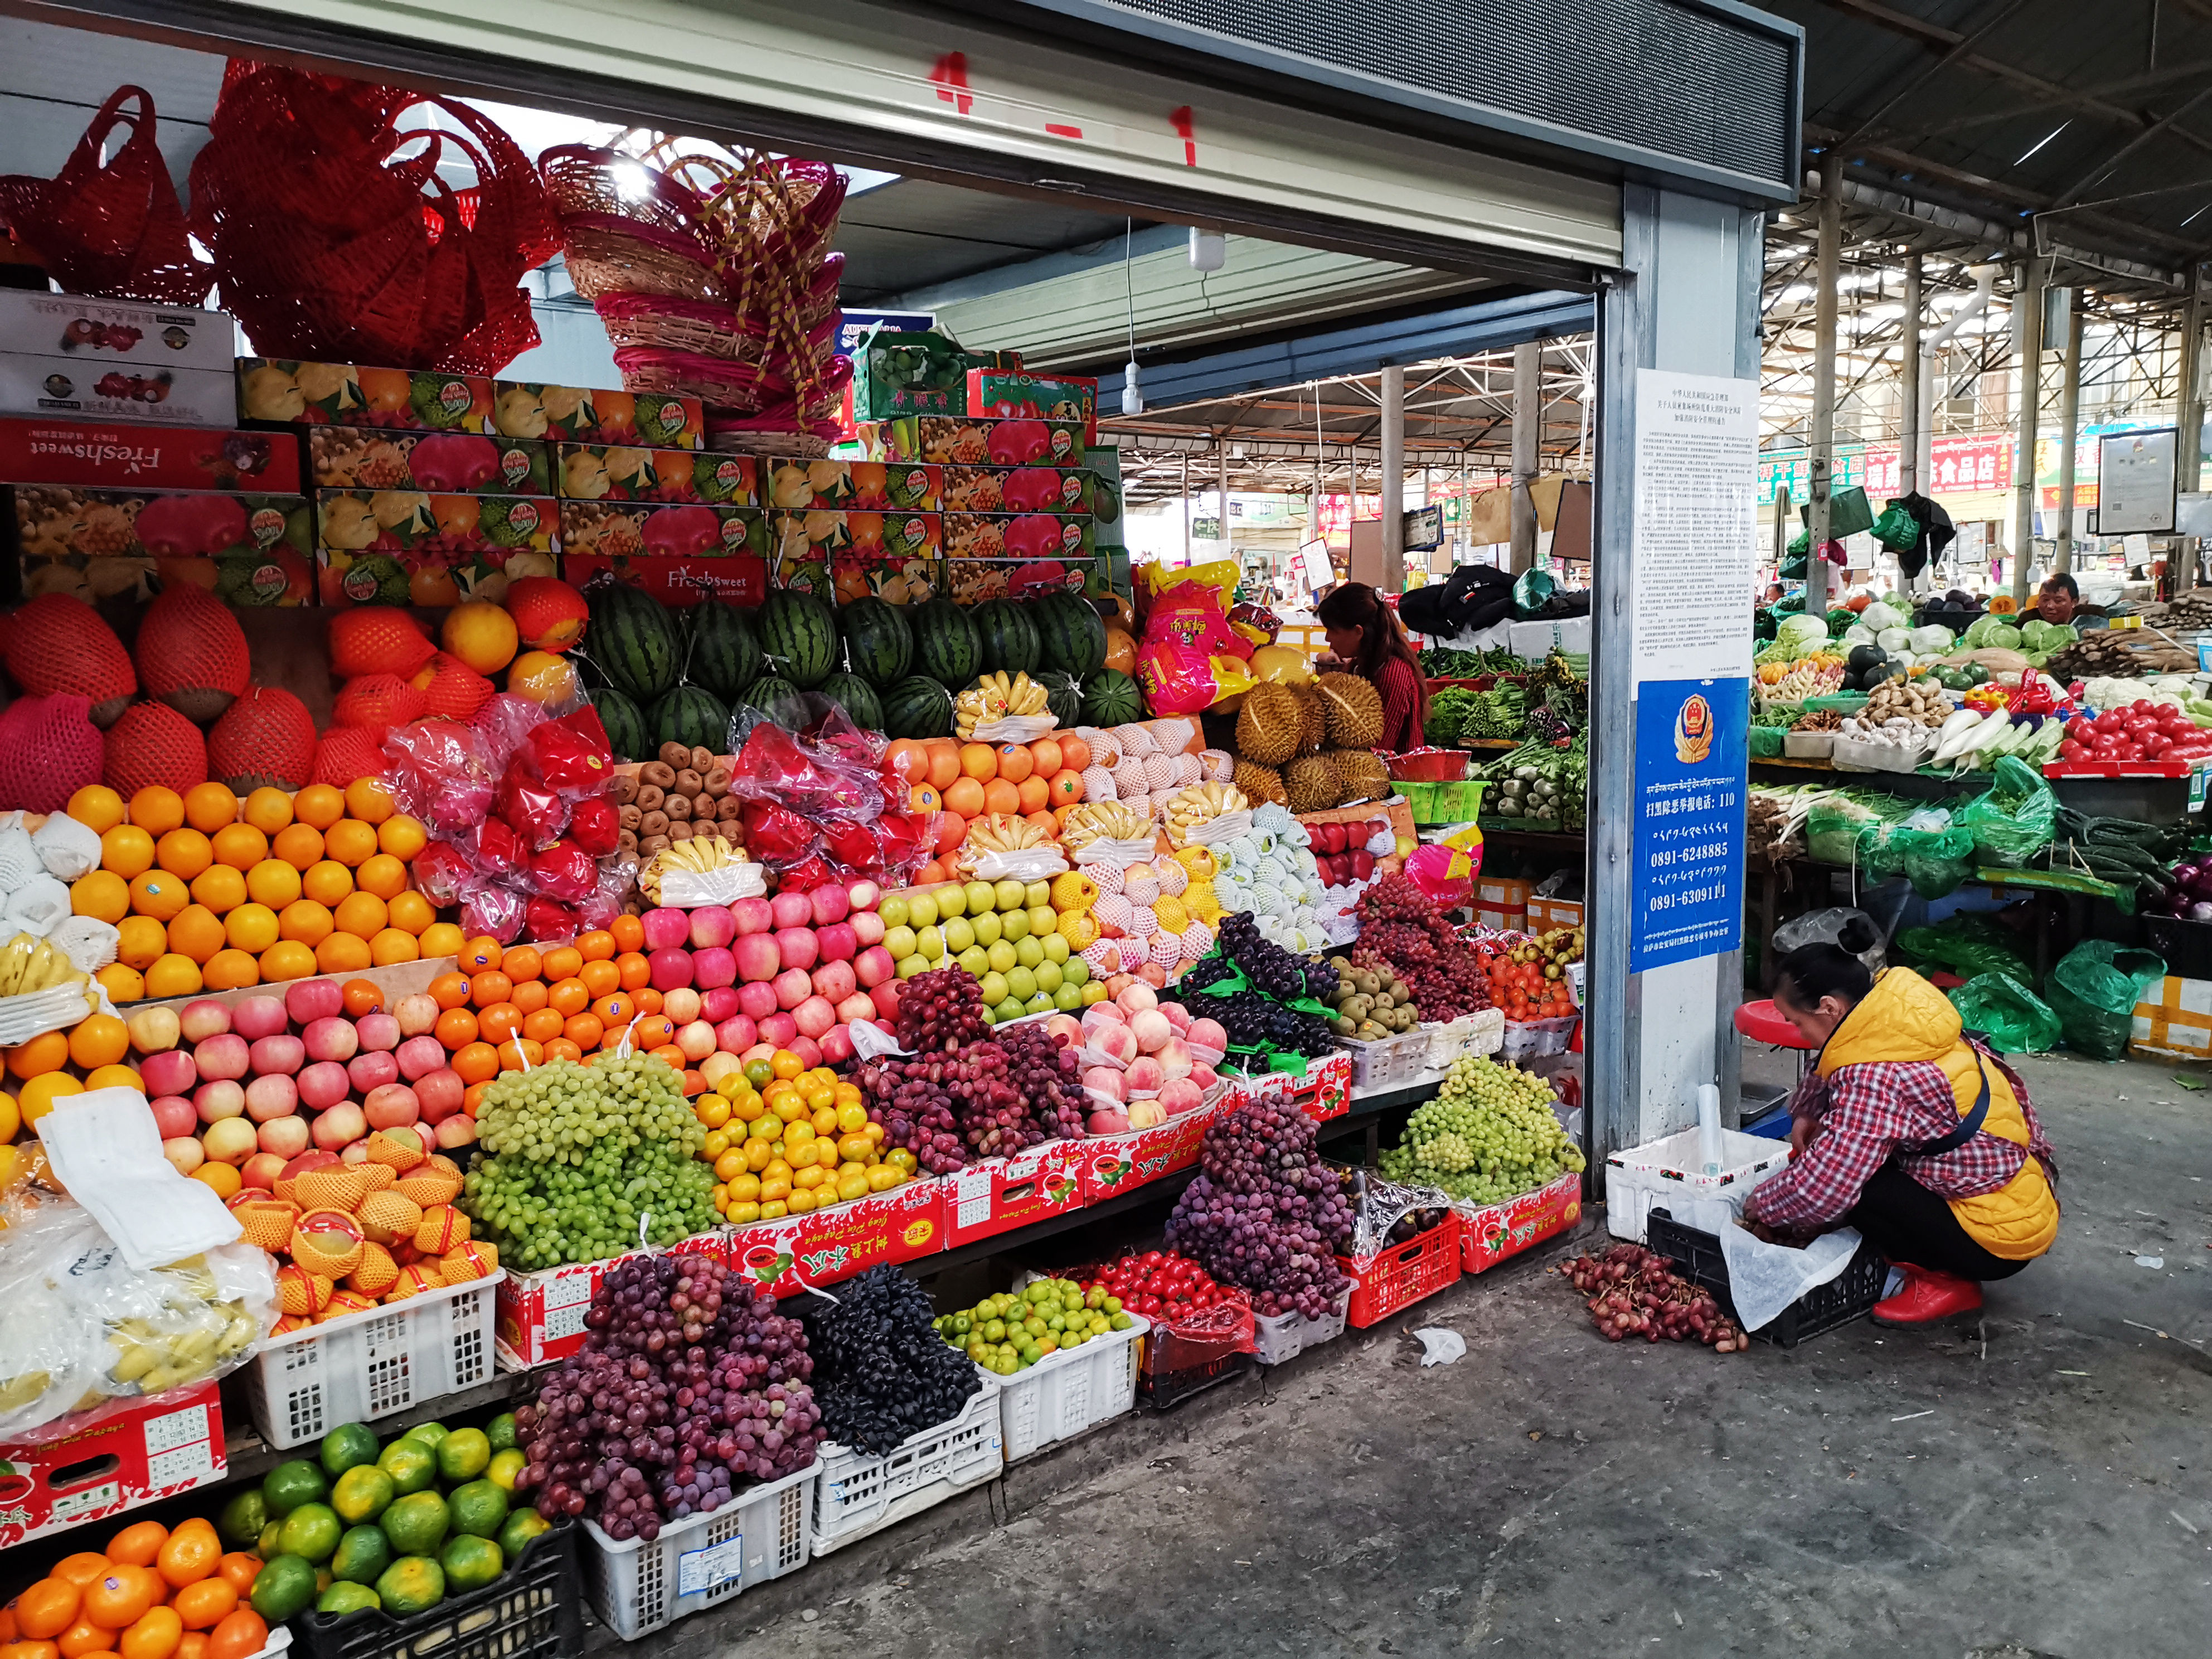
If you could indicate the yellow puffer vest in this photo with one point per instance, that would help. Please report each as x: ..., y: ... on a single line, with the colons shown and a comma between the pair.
x: 1904, y: 1018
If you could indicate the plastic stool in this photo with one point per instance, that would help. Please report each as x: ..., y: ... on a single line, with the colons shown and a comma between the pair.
x: 1762, y: 1021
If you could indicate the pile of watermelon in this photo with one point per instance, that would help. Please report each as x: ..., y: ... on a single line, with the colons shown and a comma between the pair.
x: 670, y: 676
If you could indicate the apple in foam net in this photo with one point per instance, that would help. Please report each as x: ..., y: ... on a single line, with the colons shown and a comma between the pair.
x: 440, y: 1093
x: 793, y: 987
x: 171, y: 1072
x: 752, y: 915
x: 836, y: 980
x: 287, y: 1136
x: 174, y: 1115
x: 666, y: 926
x: 393, y: 1106
x: 714, y: 968
x: 797, y: 947
x: 224, y: 1055
x: 322, y: 1084
x: 255, y: 1018
x: 372, y: 1070
x: 670, y: 966
x: 419, y: 1056
x: 274, y: 1095
x: 331, y: 1037
x: 418, y: 1014
x: 379, y: 1033
x: 338, y: 1126
x: 757, y: 957
x: 154, y: 1031
x: 202, y: 1020
x: 791, y: 909
x: 711, y: 924
x: 867, y: 927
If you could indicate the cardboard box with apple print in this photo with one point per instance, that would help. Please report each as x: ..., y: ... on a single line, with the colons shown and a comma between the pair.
x: 411, y: 547
x: 625, y: 473
x: 437, y: 463
x: 249, y: 550
x: 585, y: 415
x: 288, y: 391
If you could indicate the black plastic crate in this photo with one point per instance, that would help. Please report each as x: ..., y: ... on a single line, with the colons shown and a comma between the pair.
x: 1850, y: 1294
x: 1168, y: 1389
x: 2186, y: 946
x: 533, y: 1610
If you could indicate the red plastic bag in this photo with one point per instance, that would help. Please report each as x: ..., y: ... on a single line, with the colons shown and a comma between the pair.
x: 564, y: 870
x: 596, y: 826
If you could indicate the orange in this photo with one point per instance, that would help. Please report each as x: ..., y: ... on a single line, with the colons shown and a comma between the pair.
x: 341, y: 953
x: 999, y: 796
x: 543, y: 1026
x: 440, y: 938
x: 85, y: 1637
x: 597, y: 946
x: 1046, y: 756
x: 615, y: 1012
x: 349, y: 842
x: 252, y: 927
x: 944, y: 761
x: 480, y: 953
x: 361, y: 996
x: 474, y: 1063
x: 668, y: 1053
x: 191, y: 1553
x: 80, y: 1569
x: 102, y: 895
x: 498, y: 1022
x: 241, y: 846
x: 450, y: 990
x: 585, y: 1030
x: 32, y: 1650
x: 1016, y: 762
x: 528, y: 996
x: 298, y: 844
x: 160, y: 894
x: 121, y: 1596
x: 1067, y: 787
x: 209, y: 807
x: 389, y: 946
x: 126, y: 849
x: 239, y: 1637
x: 97, y: 807
x: 481, y: 634
x: 230, y: 970
x: 629, y: 931
x: 272, y: 882
x: 218, y: 887
x: 1036, y: 794
x: 652, y: 1031
x: 965, y: 797
x: 268, y: 809
x: 648, y: 1001
x: 513, y: 1053
x: 411, y: 912
x: 978, y: 760
x: 184, y: 853
x: 456, y: 1028
x: 565, y: 961
x: 174, y: 975
x: 636, y: 970
x: 923, y: 800
x: 402, y: 836
x: 907, y: 761
x: 305, y: 920
x: 326, y: 882
x: 568, y: 996
x: 381, y: 874
x: 157, y: 1636
x: 124, y: 984
x: 238, y: 1570
x: 367, y: 800
x: 562, y: 1049
x: 319, y: 804
x: 488, y: 987
x: 48, y: 1607
x: 521, y: 964
x: 289, y: 959
x: 362, y: 914
x: 157, y: 810
x: 209, y: 1603
x: 598, y: 978
x: 195, y: 1644
x: 102, y: 1040
x: 196, y: 932
x: 139, y: 1544
x: 46, y: 1052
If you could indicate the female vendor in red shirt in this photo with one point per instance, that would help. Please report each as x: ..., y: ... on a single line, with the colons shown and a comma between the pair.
x: 1911, y: 1132
x: 1365, y: 633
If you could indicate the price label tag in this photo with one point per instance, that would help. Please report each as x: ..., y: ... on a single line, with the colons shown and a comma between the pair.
x: 971, y: 1192
x: 700, y: 1570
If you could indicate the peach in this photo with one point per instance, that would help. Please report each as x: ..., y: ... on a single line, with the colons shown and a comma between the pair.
x: 1106, y: 1080
x: 1206, y: 1034
x: 1146, y: 1114
x: 1175, y: 1058
x: 1107, y: 1123
x: 1136, y: 999
x: 1151, y: 1030
x: 1102, y: 1013
x: 1177, y: 1015
x: 1118, y: 1043
x: 1066, y: 1028
x: 1145, y: 1076
x: 1179, y: 1095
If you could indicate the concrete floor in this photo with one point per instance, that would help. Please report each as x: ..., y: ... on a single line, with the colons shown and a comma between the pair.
x: 2034, y: 1485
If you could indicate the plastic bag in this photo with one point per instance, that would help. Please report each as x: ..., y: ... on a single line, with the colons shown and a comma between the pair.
x: 2012, y: 821
x: 1896, y: 529
x: 1190, y: 658
x: 2013, y: 1017
x: 1827, y: 927
x: 1935, y: 861
x: 1967, y: 954
x: 2093, y: 991
x: 1836, y: 831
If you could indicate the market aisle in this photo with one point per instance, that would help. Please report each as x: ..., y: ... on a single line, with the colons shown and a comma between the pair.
x: 1550, y: 1495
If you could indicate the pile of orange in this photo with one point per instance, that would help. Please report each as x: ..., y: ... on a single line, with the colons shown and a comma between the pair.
x: 1042, y: 781
x: 212, y: 893
x: 96, y: 1046
x: 154, y: 1593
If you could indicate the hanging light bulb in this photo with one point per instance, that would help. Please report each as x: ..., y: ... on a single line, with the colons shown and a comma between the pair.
x: 1133, y: 395
x: 1209, y: 249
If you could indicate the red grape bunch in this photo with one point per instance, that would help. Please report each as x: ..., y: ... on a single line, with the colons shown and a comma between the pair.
x: 939, y: 1010
x: 1634, y: 1291
x: 913, y: 1100
x: 1401, y: 929
x: 1265, y: 1212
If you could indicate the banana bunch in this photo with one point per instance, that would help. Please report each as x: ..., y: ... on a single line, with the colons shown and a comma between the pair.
x: 998, y: 832
x: 29, y: 963
x: 993, y: 697
x: 152, y: 1357
x: 1105, y: 820
x: 700, y: 854
x: 1199, y: 804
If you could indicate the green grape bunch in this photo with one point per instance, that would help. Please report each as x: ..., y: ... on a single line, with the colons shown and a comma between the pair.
x: 1489, y: 1134
x: 577, y: 1157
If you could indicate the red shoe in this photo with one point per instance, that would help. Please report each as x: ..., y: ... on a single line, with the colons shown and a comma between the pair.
x: 1926, y: 1298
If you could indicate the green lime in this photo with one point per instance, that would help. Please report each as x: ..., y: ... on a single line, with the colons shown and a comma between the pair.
x: 344, y: 1597
x: 479, y: 1510
x: 503, y: 1469
x: 429, y: 1433
x: 243, y: 1518
x: 289, y: 1484
x: 348, y: 1446
x: 265, y: 1545
x: 310, y: 1531
x: 411, y: 1465
x: 471, y: 1563
x: 417, y: 1523
x: 521, y: 1526
x: 362, y: 1555
x: 463, y: 1456
x: 362, y: 1493
x: 283, y: 1587
x: 502, y: 1432
x: 411, y: 1585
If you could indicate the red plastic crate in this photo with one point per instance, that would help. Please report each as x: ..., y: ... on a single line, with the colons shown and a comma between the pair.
x: 1397, y: 1278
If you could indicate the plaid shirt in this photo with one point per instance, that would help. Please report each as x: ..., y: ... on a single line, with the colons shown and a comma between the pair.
x: 1869, y: 1114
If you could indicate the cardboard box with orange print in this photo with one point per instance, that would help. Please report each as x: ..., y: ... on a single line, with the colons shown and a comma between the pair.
x: 540, y: 1316
x: 798, y: 1252
x: 148, y: 1451
x: 290, y: 392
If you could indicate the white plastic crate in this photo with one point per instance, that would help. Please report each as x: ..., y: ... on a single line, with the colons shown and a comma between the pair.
x: 762, y: 1533
x: 1668, y: 1173
x: 1473, y: 1035
x: 1524, y: 1038
x: 859, y: 1494
x: 1387, y: 1062
x: 1283, y: 1337
x: 1066, y: 1393
x: 371, y: 1363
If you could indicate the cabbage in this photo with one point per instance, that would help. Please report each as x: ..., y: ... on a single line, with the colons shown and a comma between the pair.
x: 1858, y: 633
x: 2041, y: 635
x: 2005, y: 637
x: 1879, y: 616
x: 1931, y: 639
x: 1894, y: 639
x: 1801, y: 633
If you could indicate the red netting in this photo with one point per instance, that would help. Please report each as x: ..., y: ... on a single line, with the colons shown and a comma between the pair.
x: 267, y: 738
x: 377, y: 639
x: 191, y: 651
x: 49, y: 750
x: 59, y: 647
x: 336, y: 239
x: 152, y: 744
x: 456, y: 691
x: 346, y: 753
x: 376, y: 702
x: 110, y: 227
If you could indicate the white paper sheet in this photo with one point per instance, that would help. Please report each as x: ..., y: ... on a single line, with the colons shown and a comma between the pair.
x: 106, y: 1152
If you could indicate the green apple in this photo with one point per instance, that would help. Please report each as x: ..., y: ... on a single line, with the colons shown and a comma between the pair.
x: 892, y: 910
x: 921, y: 909
x: 1093, y: 991
x: 1043, y: 919
x: 899, y: 941
x: 1008, y: 1010
x: 986, y: 924
x: 1048, y: 976
x: 1076, y: 971
x: 981, y: 896
x: 1036, y: 893
x: 987, y: 1014
x: 1067, y: 998
x: 1039, y: 1004
x: 972, y: 961
x: 992, y: 989
x: 1056, y: 946
x: 1021, y: 984
x: 1030, y: 952
x: 1014, y: 924
x: 911, y: 964
x: 951, y: 900
x: 1008, y: 895
x: 959, y: 933
x: 1002, y: 956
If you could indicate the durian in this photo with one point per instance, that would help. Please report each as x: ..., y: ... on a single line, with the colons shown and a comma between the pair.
x: 1260, y: 783
x: 1267, y: 728
x: 1310, y: 785
x: 1354, y: 708
x: 1362, y: 773
x: 1313, y: 721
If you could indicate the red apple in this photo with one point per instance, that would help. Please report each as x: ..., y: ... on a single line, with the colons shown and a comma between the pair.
x: 756, y: 998
x: 439, y: 1093
x: 174, y: 1115
x: 417, y: 1014
x: 816, y: 1015
x: 808, y: 1050
x: 273, y: 1094
x: 752, y: 915
x: 666, y: 927
x: 874, y: 967
x: 322, y: 1084
x: 696, y: 1039
x: 392, y: 1106
x: 867, y: 927
x: 169, y: 1072
x: 338, y: 1126
x: 287, y: 1136
x: 863, y: 895
x: 718, y: 1004
x: 261, y: 1170
x: 835, y: 980
x: 736, y: 1034
x: 222, y: 1056
x: 797, y: 946
x: 828, y: 903
x: 791, y: 909
x: 307, y: 1000
x: 837, y: 1044
x: 185, y: 1153
x: 682, y: 1004
x: 756, y: 956
x: 331, y: 1037
x: 711, y: 924
x: 779, y: 1030
x: 714, y: 968
x: 255, y: 1018
x: 281, y: 1054
x: 858, y: 1005
x: 837, y: 942
x: 217, y: 1100
x: 670, y: 966
x: 379, y: 1033
x: 792, y: 987
x: 204, y: 1018
x: 458, y: 1131
x: 885, y: 996
x: 372, y: 1070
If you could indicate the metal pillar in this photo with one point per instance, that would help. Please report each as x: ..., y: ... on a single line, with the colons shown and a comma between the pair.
x: 1186, y: 507
x: 2069, y: 422
x: 2028, y: 308
x: 1528, y: 421
x: 1783, y: 505
x: 1221, y: 458
x: 2190, y: 418
x: 1393, y: 479
x: 1823, y: 459
x: 1908, y: 447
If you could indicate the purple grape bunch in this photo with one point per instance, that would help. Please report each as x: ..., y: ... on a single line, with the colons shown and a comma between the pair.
x: 689, y: 1382
x: 940, y: 1010
x: 983, y: 1099
x: 884, y: 1372
x: 1265, y: 1212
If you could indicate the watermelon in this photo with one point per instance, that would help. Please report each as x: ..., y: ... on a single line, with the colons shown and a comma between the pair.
x: 1063, y: 697
x: 799, y: 636
x: 777, y: 698
x: 878, y: 644
x: 1111, y: 699
x: 857, y: 698
x: 633, y: 641
x: 1008, y: 637
x: 917, y: 707
x: 944, y: 640
x: 1071, y: 638
x: 726, y: 653
x: 692, y: 716
x: 625, y: 724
